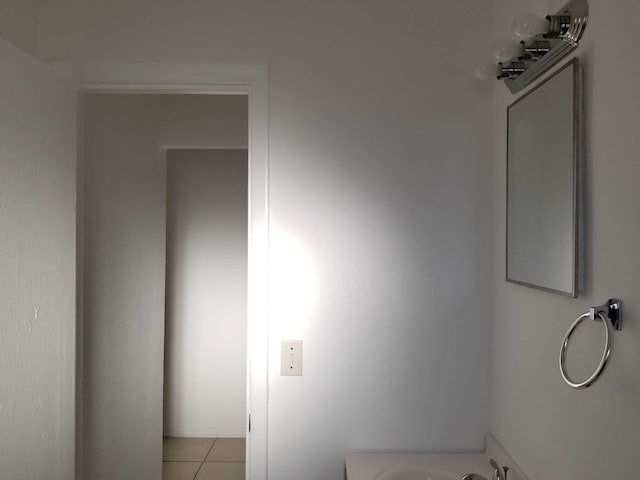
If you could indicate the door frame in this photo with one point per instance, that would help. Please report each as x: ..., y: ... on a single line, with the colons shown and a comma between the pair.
x: 217, y: 79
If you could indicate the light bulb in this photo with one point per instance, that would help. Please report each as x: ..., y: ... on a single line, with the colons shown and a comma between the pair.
x: 488, y: 71
x: 528, y: 25
x: 506, y: 49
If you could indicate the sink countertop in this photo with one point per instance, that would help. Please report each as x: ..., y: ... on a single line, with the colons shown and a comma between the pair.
x: 370, y: 465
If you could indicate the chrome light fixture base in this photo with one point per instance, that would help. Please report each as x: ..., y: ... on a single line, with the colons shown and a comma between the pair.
x: 566, y: 29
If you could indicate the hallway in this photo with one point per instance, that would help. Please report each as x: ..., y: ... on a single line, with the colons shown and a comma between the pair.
x: 203, y: 458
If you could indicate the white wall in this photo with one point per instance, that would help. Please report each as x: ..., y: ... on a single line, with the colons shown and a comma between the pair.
x: 379, y: 196
x: 550, y: 429
x: 124, y: 266
x: 124, y: 251
x: 37, y: 269
x: 205, y: 329
x: 18, y: 23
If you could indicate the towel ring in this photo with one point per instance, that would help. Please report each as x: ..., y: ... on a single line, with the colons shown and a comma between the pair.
x: 610, y: 314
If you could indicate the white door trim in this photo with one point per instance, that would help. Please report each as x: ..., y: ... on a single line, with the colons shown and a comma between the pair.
x: 225, y: 79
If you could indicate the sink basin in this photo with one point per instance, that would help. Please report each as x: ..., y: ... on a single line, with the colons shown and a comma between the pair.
x: 413, y: 473
x: 428, y: 466
x: 414, y: 466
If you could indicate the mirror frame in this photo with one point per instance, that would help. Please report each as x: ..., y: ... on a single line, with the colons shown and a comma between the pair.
x: 576, y: 181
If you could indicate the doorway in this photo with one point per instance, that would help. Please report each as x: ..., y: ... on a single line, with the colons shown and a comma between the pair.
x: 144, y: 183
x: 95, y: 453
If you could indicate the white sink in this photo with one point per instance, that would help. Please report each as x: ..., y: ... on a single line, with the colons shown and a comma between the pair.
x: 415, y: 466
x: 429, y: 466
x: 412, y: 473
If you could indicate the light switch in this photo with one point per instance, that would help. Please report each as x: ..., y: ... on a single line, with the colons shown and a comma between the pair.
x: 291, y: 360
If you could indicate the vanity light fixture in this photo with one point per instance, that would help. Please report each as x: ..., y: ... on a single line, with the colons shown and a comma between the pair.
x: 505, y: 50
x: 539, y: 44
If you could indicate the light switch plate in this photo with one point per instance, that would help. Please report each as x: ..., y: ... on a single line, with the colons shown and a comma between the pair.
x: 291, y: 359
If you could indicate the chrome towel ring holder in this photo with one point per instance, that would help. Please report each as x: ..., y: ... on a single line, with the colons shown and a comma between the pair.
x: 610, y: 313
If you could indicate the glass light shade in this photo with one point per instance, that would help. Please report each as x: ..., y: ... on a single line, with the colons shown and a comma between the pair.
x: 506, y: 49
x: 528, y: 25
x: 488, y: 71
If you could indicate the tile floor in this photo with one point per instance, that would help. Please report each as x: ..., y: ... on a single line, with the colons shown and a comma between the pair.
x: 203, y: 458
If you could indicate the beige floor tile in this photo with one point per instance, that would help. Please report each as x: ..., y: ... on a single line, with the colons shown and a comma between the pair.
x: 221, y: 471
x: 179, y: 470
x: 185, y: 449
x: 227, y: 450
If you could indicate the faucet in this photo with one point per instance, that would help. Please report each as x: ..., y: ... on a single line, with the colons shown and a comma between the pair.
x: 499, y: 473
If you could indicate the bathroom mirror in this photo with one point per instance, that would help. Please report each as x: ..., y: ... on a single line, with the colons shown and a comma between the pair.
x: 543, y: 143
